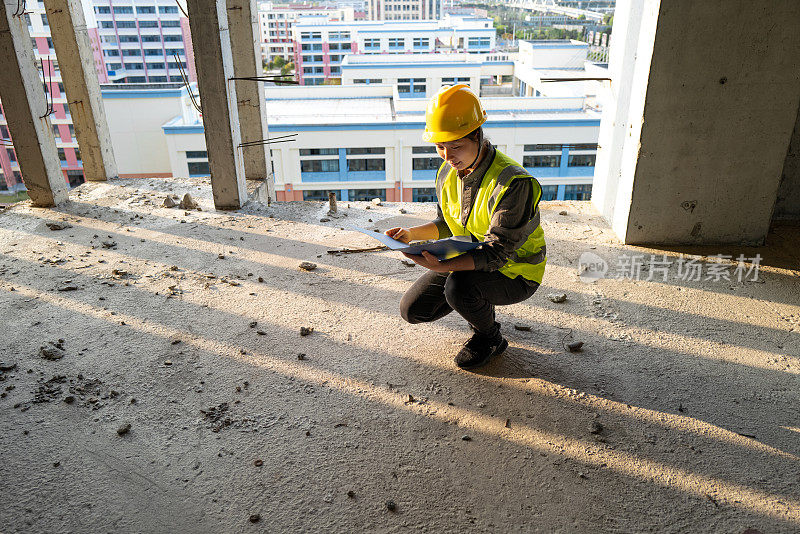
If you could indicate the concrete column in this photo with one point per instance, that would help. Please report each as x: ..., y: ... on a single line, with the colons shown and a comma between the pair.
x: 246, y: 49
x: 79, y: 76
x: 208, y: 21
x: 25, y: 106
x: 700, y: 141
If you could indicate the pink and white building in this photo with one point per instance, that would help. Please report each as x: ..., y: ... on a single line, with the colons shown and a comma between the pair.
x: 138, y: 41
x: 276, y: 23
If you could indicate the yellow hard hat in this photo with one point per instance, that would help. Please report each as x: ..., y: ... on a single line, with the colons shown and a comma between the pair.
x: 452, y: 113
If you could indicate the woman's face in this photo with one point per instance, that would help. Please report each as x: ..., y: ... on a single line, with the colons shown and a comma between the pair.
x: 459, y: 153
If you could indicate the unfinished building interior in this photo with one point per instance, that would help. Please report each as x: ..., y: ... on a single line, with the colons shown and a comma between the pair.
x: 175, y: 370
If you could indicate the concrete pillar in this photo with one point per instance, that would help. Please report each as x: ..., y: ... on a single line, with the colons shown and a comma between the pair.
x: 25, y: 106
x: 700, y: 142
x: 246, y: 49
x: 787, y: 206
x: 208, y: 21
x: 79, y: 76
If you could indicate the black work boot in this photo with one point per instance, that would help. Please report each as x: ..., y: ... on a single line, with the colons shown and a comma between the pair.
x: 480, y: 348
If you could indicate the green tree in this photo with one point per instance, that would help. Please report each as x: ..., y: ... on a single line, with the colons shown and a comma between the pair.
x: 278, y: 62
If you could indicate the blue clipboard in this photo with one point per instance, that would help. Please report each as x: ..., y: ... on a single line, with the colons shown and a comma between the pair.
x: 444, y: 249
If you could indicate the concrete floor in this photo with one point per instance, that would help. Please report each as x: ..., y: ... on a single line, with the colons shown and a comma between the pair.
x: 681, y: 414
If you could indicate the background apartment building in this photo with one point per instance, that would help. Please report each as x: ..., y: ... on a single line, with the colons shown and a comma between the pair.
x: 58, y: 111
x: 277, y: 21
x: 405, y: 9
x: 143, y: 41
x: 321, y: 44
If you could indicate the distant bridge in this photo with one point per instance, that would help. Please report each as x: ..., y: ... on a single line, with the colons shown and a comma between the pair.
x: 552, y: 6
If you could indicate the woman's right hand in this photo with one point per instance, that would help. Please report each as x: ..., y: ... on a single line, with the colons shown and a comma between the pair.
x: 400, y: 234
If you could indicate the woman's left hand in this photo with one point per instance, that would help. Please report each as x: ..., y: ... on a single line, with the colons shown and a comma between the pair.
x: 427, y: 260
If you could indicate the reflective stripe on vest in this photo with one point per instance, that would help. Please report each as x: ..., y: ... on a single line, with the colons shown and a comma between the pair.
x: 529, y: 259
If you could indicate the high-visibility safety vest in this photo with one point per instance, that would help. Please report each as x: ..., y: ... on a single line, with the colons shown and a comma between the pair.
x: 528, y: 260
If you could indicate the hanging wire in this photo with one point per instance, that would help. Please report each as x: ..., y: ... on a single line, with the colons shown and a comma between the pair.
x: 181, y: 8
x: 186, y: 83
x: 271, y: 141
x: 22, y: 8
x: 48, y: 90
x: 275, y: 78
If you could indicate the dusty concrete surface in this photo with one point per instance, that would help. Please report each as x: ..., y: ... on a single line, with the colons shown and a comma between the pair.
x: 679, y: 415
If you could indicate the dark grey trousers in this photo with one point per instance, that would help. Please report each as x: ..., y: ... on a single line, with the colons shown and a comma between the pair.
x: 473, y: 294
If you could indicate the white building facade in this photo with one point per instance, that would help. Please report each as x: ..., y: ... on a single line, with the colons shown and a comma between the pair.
x: 321, y: 44
x: 366, y: 142
x: 422, y: 75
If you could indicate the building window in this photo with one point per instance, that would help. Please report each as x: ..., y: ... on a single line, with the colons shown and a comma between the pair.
x: 150, y: 38
x: 169, y: 24
x: 426, y: 164
x: 549, y: 192
x: 319, y: 151
x: 113, y: 66
x: 173, y: 38
x: 585, y: 160
x: 155, y: 66
x: 372, y: 43
x: 126, y: 24
x: 128, y: 38
x: 111, y: 53
x: 321, y: 195
x: 366, y: 194
x: 153, y: 52
x: 134, y: 66
x: 578, y: 192
x: 541, y: 161
x: 196, y: 154
x: 397, y: 42
x: 421, y: 42
x: 145, y: 10
x: 107, y: 24
x: 168, y: 10
x: 198, y: 168
x: 102, y: 10
x: 158, y: 78
x: 336, y: 71
x: 362, y: 165
x: 455, y: 80
x: 148, y: 24
x: 584, y: 146
x: 123, y: 10
x: 423, y: 194
x: 319, y: 165
x: 541, y: 148
x: 475, y: 42
x: 366, y: 150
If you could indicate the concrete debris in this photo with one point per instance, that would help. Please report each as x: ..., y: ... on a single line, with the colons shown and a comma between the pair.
x: 575, y: 347
x: 52, y: 351
x: 255, y: 518
x: 253, y: 324
x: 351, y: 494
x: 109, y: 244
x: 301, y: 356
x: 408, y: 263
x: 119, y: 272
x: 377, y: 201
x: 324, y: 219
x: 221, y: 256
x: 391, y: 506
x: 170, y: 201
x: 68, y: 288
x: 306, y: 330
x: 307, y: 266
x: 562, y: 213
x: 595, y: 427
x: 124, y: 429
x: 332, y: 209
x: 258, y: 463
x: 522, y: 327
x: 188, y: 203
x: 466, y: 438
x: 58, y: 226
x: 7, y: 367
x: 402, y: 210
x: 557, y: 297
